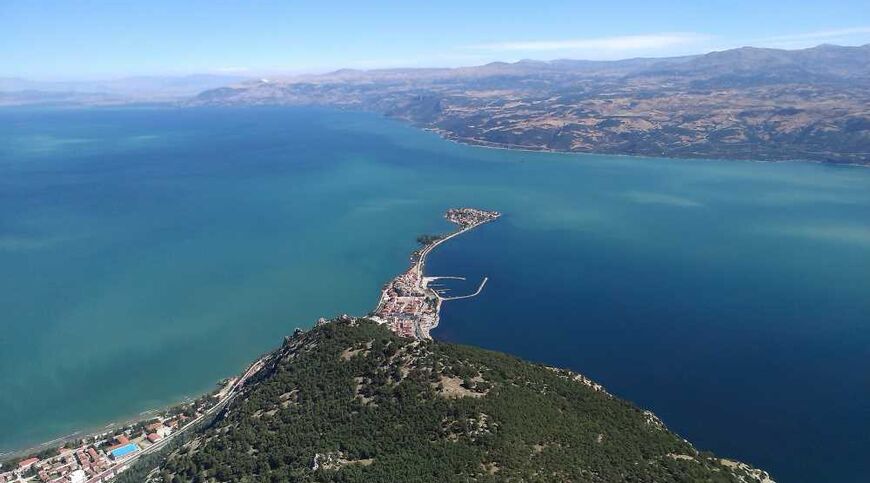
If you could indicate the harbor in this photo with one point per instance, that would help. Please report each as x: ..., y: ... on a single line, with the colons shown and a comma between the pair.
x: 410, y: 304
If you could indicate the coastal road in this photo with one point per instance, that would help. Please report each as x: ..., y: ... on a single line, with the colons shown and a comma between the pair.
x: 117, y: 469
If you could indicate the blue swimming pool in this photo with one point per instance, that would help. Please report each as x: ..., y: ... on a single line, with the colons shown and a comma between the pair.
x: 124, y: 450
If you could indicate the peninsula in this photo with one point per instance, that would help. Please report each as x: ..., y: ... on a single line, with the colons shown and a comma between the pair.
x: 376, y: 399
x: 409, y: 305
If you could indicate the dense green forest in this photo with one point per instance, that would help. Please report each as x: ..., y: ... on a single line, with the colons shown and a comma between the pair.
x: 349, y: 401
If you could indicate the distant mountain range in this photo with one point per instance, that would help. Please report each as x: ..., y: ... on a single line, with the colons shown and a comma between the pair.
x: 746, y: 103
x: 115, y: 91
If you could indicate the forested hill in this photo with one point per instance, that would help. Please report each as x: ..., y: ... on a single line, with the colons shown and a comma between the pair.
x: 349, y: 401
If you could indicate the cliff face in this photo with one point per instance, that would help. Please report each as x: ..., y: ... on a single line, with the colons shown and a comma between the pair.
x: 350, y: 401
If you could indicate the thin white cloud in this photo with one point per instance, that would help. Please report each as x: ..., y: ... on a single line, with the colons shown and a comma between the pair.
x: 616, y: 43
x: 231, y: 70
x: 817, y: 35
x: 660, y: 44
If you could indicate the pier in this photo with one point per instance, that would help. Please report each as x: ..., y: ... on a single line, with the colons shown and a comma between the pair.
x: 408, y: 304
x: 475, y: 294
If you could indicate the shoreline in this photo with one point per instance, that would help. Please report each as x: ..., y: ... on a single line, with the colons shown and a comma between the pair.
x: 425, y: 280
x: 407, y: 304
x: 443, y: 134
x: 236, y: 385
x: 479, y: 143
x: 99, y: 430
x: 206, y: 405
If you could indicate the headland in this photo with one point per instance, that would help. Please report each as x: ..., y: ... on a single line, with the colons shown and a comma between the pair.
x: 408, y: 305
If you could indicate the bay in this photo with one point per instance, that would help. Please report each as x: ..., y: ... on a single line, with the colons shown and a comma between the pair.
x: 148, y: 252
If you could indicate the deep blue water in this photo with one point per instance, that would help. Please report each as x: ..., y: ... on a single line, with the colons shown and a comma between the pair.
x: 147, y: 253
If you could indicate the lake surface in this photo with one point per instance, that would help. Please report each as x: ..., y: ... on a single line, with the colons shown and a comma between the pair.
x: 147, y: 253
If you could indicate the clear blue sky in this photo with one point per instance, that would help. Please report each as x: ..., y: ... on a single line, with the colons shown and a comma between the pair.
x: 89, y: 39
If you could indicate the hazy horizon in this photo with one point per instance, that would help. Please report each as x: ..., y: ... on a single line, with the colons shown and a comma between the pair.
x: 86, y: 41
x: 686, y: 223
x: 289, y: 74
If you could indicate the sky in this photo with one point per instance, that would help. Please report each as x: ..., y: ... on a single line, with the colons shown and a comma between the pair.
x: 86, y: 40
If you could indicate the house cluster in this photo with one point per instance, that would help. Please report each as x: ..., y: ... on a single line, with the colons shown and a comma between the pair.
x: 100, y: 457
x: 406, y: 305
x: 96, y: 461
x: 78, y: 465
x: 470, y: 217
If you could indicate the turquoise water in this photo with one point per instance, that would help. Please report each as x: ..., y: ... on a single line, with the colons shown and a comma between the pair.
x: 147, y: 253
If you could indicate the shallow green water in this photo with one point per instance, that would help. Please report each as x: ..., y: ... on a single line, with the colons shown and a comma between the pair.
x: 147, y: 253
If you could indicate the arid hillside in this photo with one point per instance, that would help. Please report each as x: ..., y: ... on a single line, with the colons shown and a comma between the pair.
x: 748, y: 103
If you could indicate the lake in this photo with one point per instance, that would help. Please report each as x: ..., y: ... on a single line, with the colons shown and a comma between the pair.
x: 149, y: 252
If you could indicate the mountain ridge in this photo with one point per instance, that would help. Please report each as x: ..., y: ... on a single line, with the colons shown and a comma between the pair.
x: 747, y: 103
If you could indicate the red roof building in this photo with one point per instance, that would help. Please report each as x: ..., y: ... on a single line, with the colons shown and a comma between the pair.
x: 27, y: 463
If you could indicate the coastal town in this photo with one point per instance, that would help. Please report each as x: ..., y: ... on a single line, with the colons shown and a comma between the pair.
x: 409, y: 304
x: 100, y: 457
